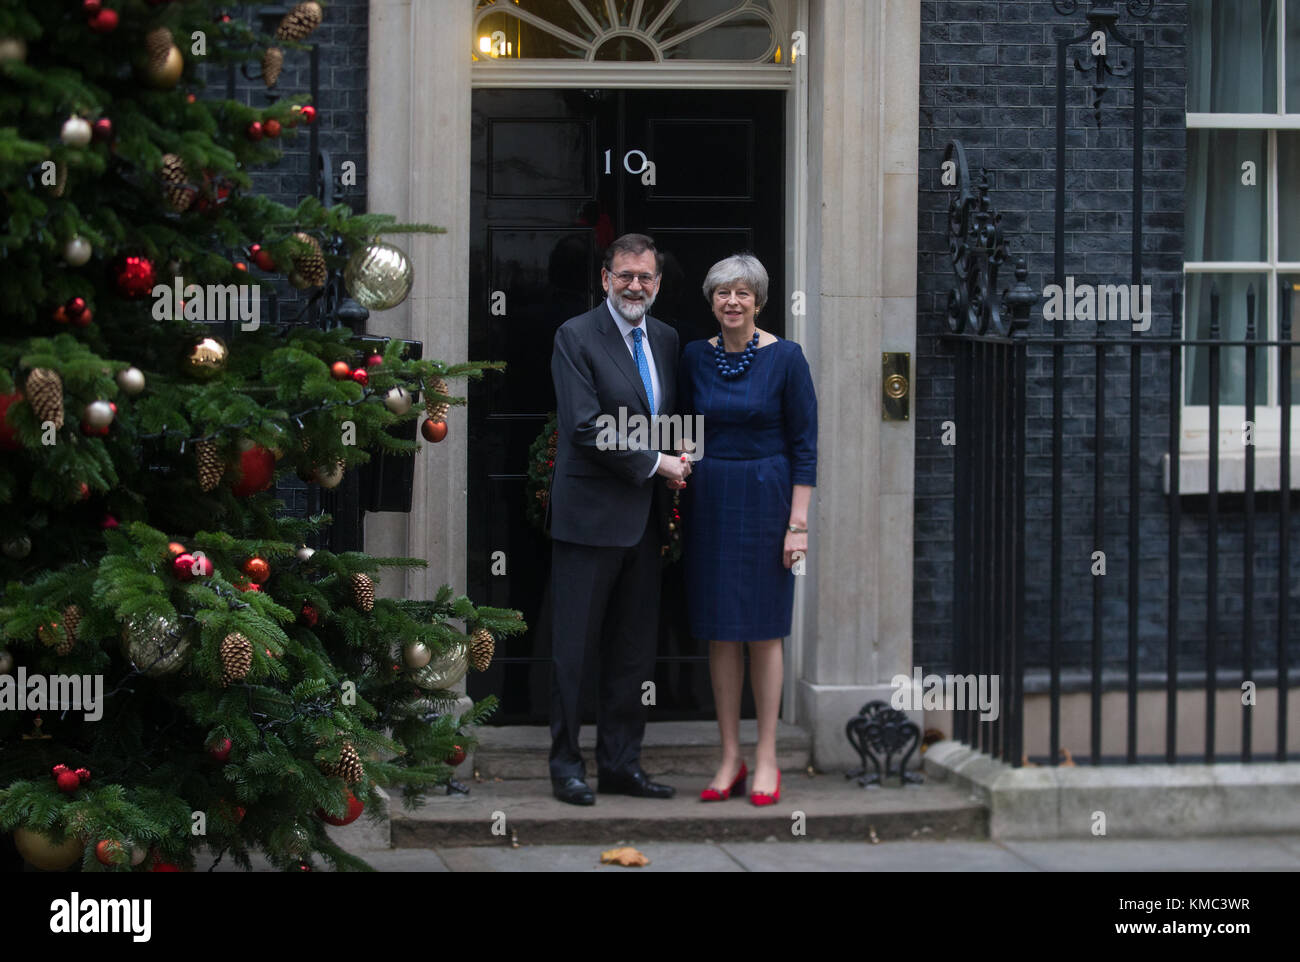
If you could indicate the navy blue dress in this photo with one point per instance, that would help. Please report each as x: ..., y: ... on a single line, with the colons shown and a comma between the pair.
x: 760, y: 439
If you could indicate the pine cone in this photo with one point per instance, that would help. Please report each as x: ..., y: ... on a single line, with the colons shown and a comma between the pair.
x: 158, y: 43
x: 178, y: 193
x: 437, y: 410
x: 210, y: 466
x: 300, y: 21
x: 45, y: 394
x: 236, y: 658
x: 481, y: 649
x: 71, y: 619
x: 272, y: 65
x: 363, y: 592
x: 308, y: 269
x: 348, y: 765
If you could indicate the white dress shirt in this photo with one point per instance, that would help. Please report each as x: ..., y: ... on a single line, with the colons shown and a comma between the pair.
x: 626, y: 328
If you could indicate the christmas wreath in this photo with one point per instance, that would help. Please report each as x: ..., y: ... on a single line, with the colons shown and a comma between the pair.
x: 541, y: 462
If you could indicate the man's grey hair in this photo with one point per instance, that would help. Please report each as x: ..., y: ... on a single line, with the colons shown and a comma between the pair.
x: 745, y: 268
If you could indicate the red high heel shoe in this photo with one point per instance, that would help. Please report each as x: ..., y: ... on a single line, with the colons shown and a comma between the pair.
x: 762, y: 798
x: 711, y: 794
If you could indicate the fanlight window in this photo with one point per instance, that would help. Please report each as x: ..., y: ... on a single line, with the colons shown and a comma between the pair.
x: 627, y: 30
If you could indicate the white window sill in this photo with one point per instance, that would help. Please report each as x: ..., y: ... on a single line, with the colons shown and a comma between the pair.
x: 1194, y: 471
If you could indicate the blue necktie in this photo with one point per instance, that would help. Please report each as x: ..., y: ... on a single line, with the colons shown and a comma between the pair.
x: 642, y: 367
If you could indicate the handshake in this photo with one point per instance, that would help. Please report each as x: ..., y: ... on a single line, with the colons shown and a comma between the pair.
x: 677, y: 469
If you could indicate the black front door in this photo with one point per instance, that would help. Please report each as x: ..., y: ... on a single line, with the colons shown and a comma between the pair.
x: 557, y: 175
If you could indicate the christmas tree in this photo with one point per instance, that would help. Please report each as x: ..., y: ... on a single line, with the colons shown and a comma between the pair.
x: 253, y: 688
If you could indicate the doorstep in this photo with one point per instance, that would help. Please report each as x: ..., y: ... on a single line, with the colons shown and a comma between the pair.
x: 669, y: 748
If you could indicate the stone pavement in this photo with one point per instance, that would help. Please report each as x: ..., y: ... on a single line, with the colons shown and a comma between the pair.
x: 1240, y: 853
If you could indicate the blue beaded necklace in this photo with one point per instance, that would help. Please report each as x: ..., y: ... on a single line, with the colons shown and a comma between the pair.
x: 728, y: 371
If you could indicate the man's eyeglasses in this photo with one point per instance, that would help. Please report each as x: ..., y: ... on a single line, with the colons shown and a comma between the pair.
x: 626, y: 277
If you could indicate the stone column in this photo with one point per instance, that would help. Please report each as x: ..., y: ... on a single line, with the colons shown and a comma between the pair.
x: 864, y: 96
x: 419, y: 163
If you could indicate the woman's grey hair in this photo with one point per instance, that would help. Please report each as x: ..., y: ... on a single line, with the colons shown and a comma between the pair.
x: 745, y: 268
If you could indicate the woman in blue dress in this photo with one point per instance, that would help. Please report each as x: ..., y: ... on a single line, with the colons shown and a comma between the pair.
x: 746, y: 511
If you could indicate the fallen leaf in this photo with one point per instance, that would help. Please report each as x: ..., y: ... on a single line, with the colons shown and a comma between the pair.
x: 623, y: 856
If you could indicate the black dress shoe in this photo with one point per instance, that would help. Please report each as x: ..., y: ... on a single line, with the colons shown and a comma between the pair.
x: 632, y: 783
x: 572, y: 790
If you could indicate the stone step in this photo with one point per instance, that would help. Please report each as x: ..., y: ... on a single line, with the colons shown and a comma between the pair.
x: 834, y: 808
x: 669, y: 748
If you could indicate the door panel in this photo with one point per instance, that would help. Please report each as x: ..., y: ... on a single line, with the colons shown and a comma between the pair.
x: 543, y: 211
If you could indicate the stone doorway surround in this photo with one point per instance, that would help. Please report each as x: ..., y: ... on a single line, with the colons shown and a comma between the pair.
x: 852, y: 239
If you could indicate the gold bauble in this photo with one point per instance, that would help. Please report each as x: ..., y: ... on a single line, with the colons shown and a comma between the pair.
x: 13, y: 48
x: 379, y: 276
x: 165, y: 74
x: 443, y: 670
x: 41, y: 852
x: 155, y: 645
x: 329, y: 476
x: 417, y: 655
x: 207, y: 358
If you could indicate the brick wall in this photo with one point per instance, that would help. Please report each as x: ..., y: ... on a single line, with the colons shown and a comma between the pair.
x: 988, y: 78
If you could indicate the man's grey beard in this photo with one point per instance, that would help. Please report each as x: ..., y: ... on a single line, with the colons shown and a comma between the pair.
x: 632, y: 311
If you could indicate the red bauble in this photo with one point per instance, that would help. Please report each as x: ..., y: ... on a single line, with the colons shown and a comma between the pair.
x: 221, y: 751
x: 355, y: 808
x: 8, y: 436
x: 105, y: 21
x: 255, y: 130
x: 258, y: 569
x: 254, y: 471
x: 108, y: 522
x: 361, y: 376
x: 91, y: 7
x: 83, y: 774
x: 183, y: 566
x: 82, y: 491
x: 68, y: 782
x: 241, y: 266
x: 308, y: 114
x: 84, y: 318
x: 248, y: 586
x: 341, y: 370
x: 102, y: 129
x: 456, y: 757
x: 175, y: 547
x: 310, y: 615
x: 190, y: 98
x: 271, y: 127
x: 202, y: 567
x: 61, y: 314
x: 374, y: 360
x: 433, y: 431
x: 165, y: 867
x: 76, y: 307
x: 90, y: 431
x: 134, y: 276
x: 109, y: 852
x: 261, y: 258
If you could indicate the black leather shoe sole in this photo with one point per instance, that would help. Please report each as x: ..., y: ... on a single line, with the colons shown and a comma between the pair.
x: 573, y: 795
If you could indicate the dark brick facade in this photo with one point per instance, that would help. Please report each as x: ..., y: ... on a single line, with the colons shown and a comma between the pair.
x: 342, y: 41
x: 988, y: 79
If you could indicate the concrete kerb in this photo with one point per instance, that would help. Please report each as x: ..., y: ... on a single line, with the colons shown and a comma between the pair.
x: 1132, y: 801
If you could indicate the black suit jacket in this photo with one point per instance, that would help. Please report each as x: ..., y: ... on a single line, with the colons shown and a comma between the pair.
x: 604, y: 497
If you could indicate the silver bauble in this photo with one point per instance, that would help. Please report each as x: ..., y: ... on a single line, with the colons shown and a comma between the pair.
x: 131, y: 380
x: 379, y: 276
x: 330, y: 476
x: 77, y: 251
x: 443, y: 670
x: 305, y: 553
x: 17, y: 547
x: 76, y: 132
x: 156, y: 645
x: 398, y: 400
x: 6, y: 663
x: 13, y: 48
x: 138, y: 853
x: 416, y: 654
x: 98, y: 414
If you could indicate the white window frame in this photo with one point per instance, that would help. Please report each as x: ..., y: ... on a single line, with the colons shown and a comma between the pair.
x: 1194, y: 443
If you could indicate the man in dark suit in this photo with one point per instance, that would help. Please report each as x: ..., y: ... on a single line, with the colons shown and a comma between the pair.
x: 607, y: 520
